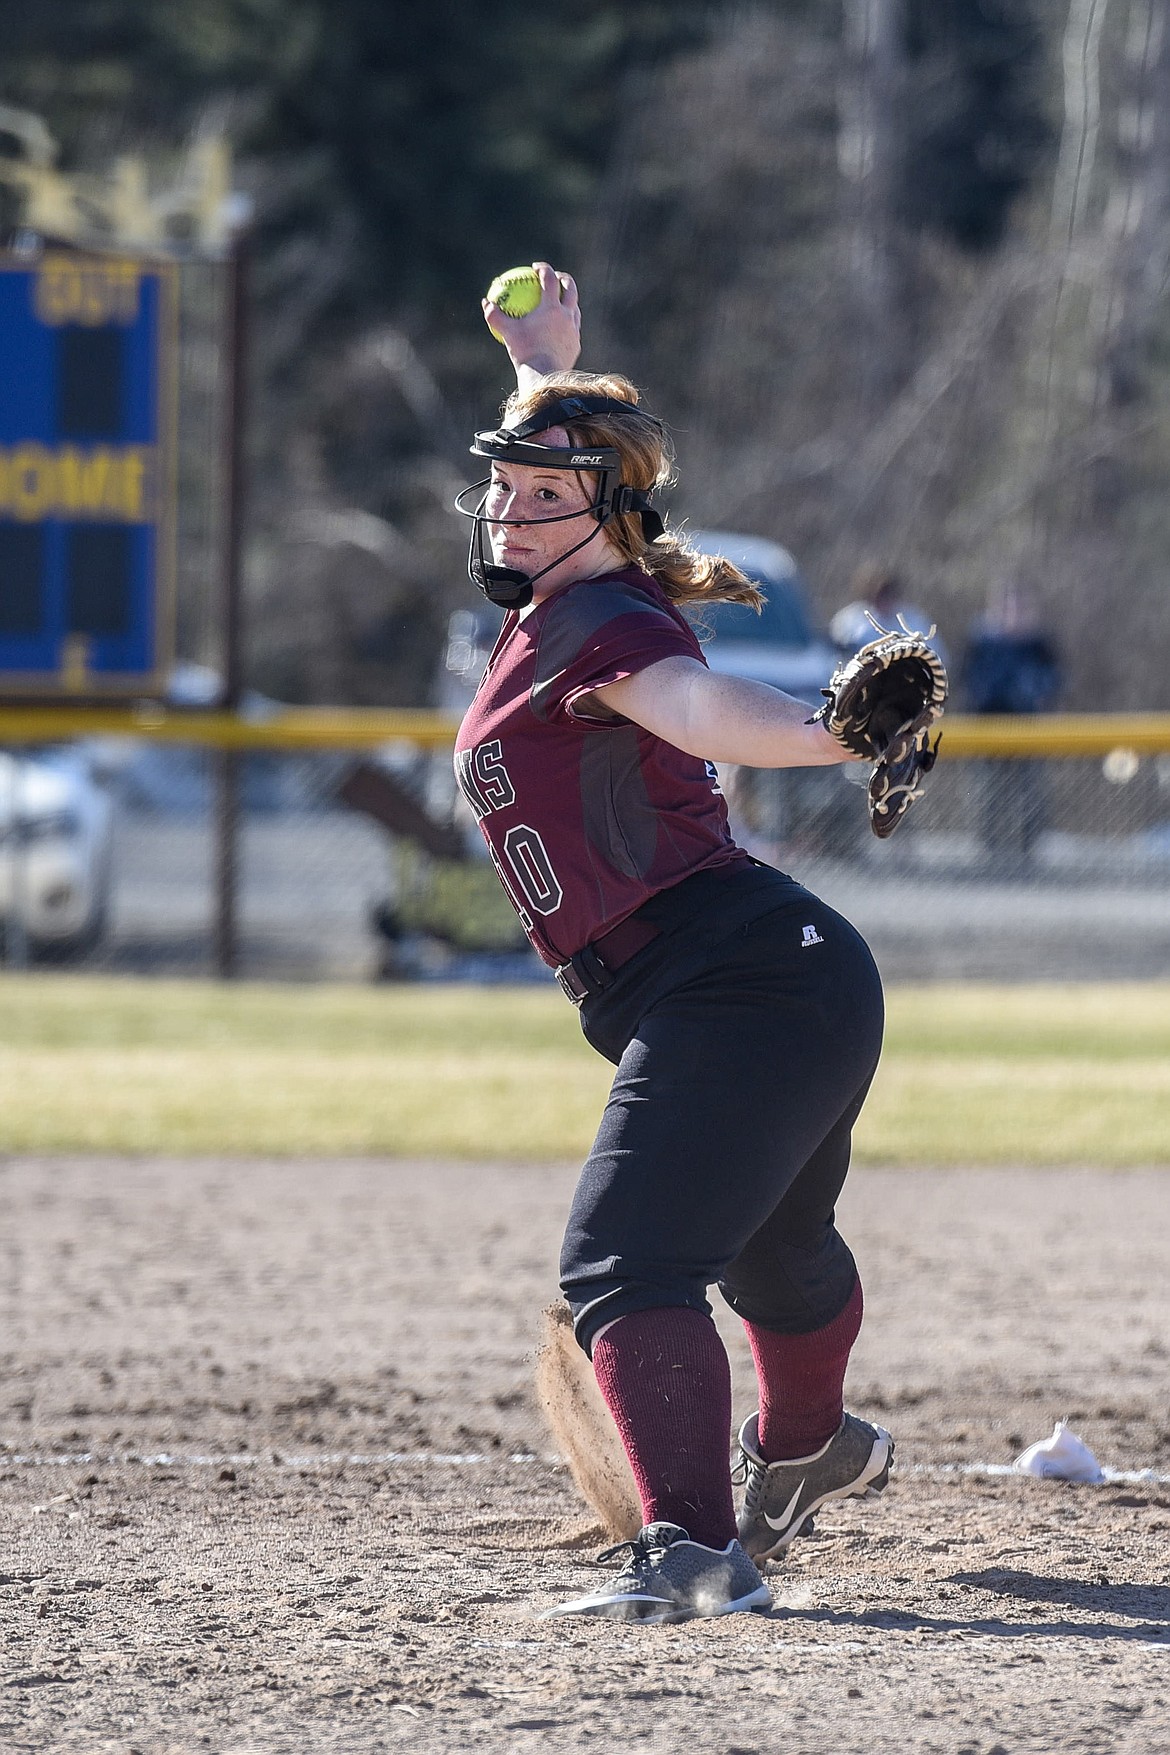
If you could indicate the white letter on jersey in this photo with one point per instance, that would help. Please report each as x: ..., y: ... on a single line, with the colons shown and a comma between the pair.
x: 483, y: 778
x: 530, y: 861
x: 493, y: 776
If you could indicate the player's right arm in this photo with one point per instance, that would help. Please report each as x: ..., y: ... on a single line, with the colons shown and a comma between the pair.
x: 548, y: 339
x: 720, y: 718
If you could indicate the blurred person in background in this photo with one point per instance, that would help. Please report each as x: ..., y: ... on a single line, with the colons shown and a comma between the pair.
x: 1010, y: 665
x: 744, y: 1016
x: 879, y: 591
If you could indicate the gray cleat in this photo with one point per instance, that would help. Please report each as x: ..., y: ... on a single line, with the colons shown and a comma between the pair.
x: 667, y: 1577
x: 781, y: 1497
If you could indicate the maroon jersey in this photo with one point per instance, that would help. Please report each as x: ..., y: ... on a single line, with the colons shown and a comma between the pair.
x: 585, y: 818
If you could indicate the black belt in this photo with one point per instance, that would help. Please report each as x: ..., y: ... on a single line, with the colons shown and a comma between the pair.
x: 591, y: 969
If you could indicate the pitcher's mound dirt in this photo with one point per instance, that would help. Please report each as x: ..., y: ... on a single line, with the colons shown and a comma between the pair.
x: 274, y: 1477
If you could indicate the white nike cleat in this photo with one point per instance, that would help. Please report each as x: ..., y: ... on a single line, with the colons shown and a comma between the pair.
x: 781, y: 1497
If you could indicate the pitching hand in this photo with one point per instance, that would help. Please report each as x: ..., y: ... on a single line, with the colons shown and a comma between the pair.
x: 548, y: 339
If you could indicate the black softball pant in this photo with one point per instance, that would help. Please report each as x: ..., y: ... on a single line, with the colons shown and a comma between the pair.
x: 726, y: 1138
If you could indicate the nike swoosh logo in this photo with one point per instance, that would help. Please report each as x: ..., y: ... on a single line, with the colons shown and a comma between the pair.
x: 781, y: 1522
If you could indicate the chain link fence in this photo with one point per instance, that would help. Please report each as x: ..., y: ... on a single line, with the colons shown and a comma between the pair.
x: 1011, y: 869
x: 365, y: 867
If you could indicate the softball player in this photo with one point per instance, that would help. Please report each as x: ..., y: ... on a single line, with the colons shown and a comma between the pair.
x: 743, y: 1015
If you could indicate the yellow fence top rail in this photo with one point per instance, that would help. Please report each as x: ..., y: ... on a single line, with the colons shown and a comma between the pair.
x: 291, y: 728
x: 1055, y: 734
x: 356, y: 728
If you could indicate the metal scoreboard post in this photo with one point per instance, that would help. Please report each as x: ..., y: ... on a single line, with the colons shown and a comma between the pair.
x: 88, y: 369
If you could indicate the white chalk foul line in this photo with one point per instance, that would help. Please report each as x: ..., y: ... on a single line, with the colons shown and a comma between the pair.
x: 176, y: 1459
x: 1109, y: 1477
x: 180, y: 1459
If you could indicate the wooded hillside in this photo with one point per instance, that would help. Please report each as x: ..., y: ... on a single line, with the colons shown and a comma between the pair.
x: 895, y: 270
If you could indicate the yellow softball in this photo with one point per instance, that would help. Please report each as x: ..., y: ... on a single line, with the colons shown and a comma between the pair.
x: 516, y: 292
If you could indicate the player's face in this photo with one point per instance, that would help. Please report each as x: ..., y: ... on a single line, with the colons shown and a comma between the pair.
x: 535, y: 496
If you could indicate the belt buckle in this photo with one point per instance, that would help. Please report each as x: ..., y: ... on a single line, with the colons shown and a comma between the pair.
x: 571, y: 984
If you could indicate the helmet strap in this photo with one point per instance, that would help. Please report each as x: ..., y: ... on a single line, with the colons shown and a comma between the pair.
x: 507, y: 587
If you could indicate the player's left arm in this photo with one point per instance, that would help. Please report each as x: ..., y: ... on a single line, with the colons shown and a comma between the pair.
x: 721, y: 718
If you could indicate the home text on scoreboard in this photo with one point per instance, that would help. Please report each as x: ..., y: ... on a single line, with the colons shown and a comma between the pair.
x: 88, y: 361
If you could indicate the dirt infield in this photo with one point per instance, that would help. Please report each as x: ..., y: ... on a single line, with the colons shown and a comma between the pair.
x: 194, y: 1355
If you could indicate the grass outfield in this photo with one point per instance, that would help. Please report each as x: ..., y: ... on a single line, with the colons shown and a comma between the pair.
x: 972, y: 1074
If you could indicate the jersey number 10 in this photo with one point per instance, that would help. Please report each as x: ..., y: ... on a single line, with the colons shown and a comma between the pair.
x: 529, y: 878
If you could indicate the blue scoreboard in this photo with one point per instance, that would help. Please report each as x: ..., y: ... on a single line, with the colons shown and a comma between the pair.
x: 88, y: 359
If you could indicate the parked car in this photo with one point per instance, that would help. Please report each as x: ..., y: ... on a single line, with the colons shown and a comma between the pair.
x: 775, y: 809
x: 171, y: 779
x: 780, y: 645
x: 55, y: 847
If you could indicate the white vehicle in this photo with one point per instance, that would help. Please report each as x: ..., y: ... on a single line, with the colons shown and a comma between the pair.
x: 55, y: 842
x: 778, y: 646
x: 776, y: 810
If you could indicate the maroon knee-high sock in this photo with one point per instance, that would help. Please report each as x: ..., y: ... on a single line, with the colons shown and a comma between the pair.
x: 666, y: 1380
x: 802, y: 1381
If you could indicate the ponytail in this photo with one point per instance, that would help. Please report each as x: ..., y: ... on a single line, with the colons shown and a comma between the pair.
x: 685, y: 575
